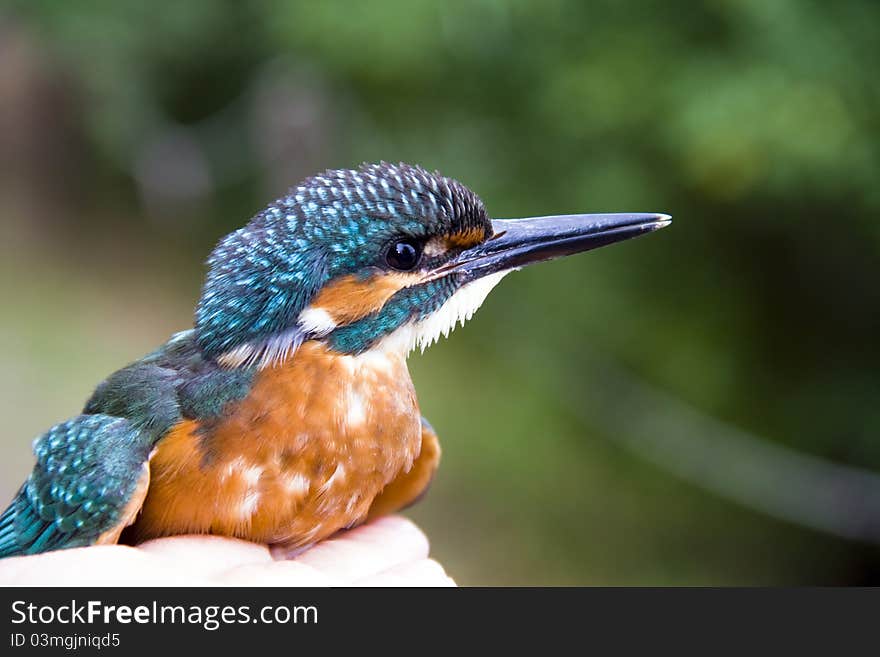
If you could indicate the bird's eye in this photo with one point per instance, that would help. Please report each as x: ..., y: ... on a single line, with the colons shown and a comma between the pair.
x: 403, y: 255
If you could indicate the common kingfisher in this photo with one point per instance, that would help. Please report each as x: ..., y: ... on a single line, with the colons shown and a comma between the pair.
x: 287, y: 412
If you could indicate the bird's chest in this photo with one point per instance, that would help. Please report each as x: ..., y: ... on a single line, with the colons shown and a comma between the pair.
x: 303, y: 455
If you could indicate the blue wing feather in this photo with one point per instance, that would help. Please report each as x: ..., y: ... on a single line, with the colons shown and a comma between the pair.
x: 89, y: 467
x: 87, y: 470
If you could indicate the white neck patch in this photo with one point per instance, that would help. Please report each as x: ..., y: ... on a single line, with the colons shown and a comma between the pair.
x: 268, y: 353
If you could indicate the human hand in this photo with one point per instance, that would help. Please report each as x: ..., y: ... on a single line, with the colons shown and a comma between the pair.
x: 388, y: 551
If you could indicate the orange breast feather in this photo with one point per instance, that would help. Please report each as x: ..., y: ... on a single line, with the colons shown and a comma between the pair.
x: 302, y: 456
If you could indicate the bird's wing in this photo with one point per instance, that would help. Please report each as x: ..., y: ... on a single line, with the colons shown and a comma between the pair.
x: 89, y: 481
x: 92, y: 472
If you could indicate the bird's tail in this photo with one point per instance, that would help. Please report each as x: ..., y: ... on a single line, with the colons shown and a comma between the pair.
x: 8, y: 542
x: 11, y: 526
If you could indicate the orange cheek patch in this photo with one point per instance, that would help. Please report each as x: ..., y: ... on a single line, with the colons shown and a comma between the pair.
x: 350, y: 298
x: 466, y: 239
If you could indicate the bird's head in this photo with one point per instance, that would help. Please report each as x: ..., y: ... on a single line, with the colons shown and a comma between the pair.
x: 383, y: 252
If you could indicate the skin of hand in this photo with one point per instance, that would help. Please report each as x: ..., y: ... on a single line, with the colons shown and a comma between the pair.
x: 389, y: 551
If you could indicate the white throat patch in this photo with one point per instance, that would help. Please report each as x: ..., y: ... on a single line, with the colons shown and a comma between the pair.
x: 457, y: 309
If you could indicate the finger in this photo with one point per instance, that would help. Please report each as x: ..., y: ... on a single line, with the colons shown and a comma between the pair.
x: 110, y: 565
x: 426, y: 572
x: 206, y: 555
x: 276, y: 573
x: 367, y: 550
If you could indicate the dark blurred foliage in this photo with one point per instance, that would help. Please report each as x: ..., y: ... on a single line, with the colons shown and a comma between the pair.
x: 133, y: 135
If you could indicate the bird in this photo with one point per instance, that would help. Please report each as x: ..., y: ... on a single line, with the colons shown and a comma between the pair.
x: 287, y: 413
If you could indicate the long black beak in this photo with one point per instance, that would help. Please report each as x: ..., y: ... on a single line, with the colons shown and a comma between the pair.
x: 520, y: 242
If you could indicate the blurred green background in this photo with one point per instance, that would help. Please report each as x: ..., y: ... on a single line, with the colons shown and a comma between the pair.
x: 697, y: 407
